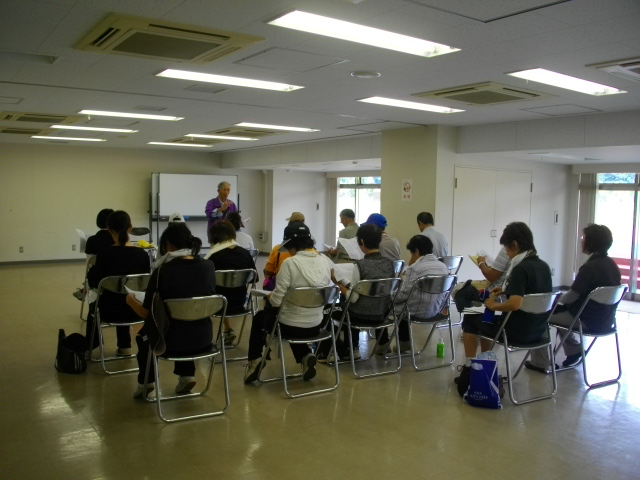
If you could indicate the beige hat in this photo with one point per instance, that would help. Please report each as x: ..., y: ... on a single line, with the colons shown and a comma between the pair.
x: 295, y: 217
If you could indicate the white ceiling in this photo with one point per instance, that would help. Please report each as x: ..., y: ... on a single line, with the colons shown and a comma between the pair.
x: 564, y: 37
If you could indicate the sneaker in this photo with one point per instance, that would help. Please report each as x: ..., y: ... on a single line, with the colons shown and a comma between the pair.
x: 252, y: 370
x: 140, y: 393
x: 572, y: 360
x: 405, y: 347
x: 324, y: 358
x: 381, y: 349
x: 185, y: 384
x: 535, y: 368
x: 309, y: 366
x: 123, y: 352
x: 79, y: 294
x: 229, y: 336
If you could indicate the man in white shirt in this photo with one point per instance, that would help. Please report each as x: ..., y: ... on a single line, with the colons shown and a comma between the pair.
x: 440, y: 242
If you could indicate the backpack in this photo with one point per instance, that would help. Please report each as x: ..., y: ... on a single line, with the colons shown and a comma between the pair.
x: 70, y: 355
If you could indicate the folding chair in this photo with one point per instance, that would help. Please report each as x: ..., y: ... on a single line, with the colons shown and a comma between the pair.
x: 398, y: 267
x: 190, y: 309
x: 603, y: 296
x: 453, y: 263
x: 91, y: 261
x: 116, y: 284
x: 306, y: 297
x: 434, y: 285
x: 381, y: 289
x: 235, y: 279
x: 537, y: 303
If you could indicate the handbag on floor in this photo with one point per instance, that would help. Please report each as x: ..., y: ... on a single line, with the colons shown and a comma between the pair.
x: 70, y: 356
x: 484, y: 382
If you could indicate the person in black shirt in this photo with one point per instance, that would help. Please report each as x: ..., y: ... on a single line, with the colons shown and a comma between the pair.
x: 226, y: 254
x: 122, y: 258
x: 598, y: 271
x: 527, y: 274
x: 102, y: 239
x: 182, y: 274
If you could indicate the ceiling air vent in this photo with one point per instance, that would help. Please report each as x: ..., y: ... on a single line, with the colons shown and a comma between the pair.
x: 246, y: 132
x: 149, y: 38
x: 629, y: 69
x: 487, y: 93
x: 24, y: 131
x: 205, y: 141
x: 39, y: 118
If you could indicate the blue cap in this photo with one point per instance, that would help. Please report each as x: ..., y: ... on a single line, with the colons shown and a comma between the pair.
x: 377, y: 219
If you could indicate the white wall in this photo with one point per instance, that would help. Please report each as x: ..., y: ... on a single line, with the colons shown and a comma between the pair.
x: 47, y: 191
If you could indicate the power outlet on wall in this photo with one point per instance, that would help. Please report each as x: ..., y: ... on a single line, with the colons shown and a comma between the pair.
x: 263, y: 236
x: 553, y: 272
x: 21, y: 249
x: 73, y: 247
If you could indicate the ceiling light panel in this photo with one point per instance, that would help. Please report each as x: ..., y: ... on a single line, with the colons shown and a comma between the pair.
x: 221, y: 137
x: 276, y: 127
x: 226, y: 80
x: 560, y: 80
x: 70, y: 138
x: 391, y: 102
x: 102, y: 113
x: 94, y: 129
x: 169, y: 144
x: 353, y: 32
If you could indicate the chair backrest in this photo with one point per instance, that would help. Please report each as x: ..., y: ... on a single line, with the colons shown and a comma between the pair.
x: 116, y: 284
x: 608, y: 295
x: 382, y: 287
x: 195, y: 308
x: 254, y: 253
x: 312, y: 297
x: 539, y: 302
x: 398, y: 266
x: 435, y: 284
x: 235, y: 278
x: 452, y: 263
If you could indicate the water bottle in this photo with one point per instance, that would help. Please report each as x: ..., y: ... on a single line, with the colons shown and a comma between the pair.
x: 440, y: 349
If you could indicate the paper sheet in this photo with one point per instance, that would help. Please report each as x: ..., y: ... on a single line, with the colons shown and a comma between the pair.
x: 352, y: 248
x: 343, y: 272
x: 481, y: 253
x: 139, y: 295
x: 83, y: 240
x: 328, y: 247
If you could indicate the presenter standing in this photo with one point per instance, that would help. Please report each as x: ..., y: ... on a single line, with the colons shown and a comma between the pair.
x: 218, y: 208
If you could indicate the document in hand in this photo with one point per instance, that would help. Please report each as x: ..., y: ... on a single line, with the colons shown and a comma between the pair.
x: 139, y: 295
x: 481, y: 253
x: 352, y: 248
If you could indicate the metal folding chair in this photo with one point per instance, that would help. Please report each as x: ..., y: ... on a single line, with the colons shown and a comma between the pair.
x: 434, y: 285
x: 452, y: 263
x: 190, y: 309
x: 236, y: 279
x: 603, y: 296
x: 306, y: 297
x: 381, y: 289
x: 116, y: 284
x: 537, y: 303
x: 91, y: 261
x: 398, y: 267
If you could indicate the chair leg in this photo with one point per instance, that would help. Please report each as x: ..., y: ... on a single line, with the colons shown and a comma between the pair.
x: 414, y: 353
x: 395, y: 334
x: 584, y: 363
x: 511, y: 378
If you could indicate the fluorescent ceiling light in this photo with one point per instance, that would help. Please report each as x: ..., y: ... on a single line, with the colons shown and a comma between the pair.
x: 331, y: 27
x: 404, y: 104
x: 101, y: 113
x: 276, y: 127
x: 94, y: 129
x: 221, y: 137
x: 179, y: 144
x: 560, y: 80
x: 70, y: 138
x: 225, y: 80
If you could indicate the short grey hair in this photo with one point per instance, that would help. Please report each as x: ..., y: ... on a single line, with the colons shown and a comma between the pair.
x: 222, y: 184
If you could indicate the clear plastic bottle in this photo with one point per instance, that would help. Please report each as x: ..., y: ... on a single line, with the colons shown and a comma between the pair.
x: 440, y: 349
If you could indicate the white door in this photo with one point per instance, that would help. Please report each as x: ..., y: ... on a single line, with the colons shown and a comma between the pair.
x: 473, y: 216
x: 513, y: 201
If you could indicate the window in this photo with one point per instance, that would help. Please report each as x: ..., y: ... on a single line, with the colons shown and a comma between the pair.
x: 360, y: 194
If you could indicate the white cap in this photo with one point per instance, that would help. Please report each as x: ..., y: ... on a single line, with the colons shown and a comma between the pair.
x: 176, y: 217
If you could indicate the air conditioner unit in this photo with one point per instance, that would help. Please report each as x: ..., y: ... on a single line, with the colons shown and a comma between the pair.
x: 50, y: 118
x: 629, y: 69
x: 202, y: 141
x: 149, y: 38
x: 246, y: 132
x: 24, y: 131
x: 487, y: 93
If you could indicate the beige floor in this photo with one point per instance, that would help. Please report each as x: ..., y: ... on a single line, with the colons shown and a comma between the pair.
x: 410, y: 425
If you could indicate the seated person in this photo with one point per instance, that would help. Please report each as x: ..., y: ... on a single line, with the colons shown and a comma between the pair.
x: 389, y: 247
x: 181, y: 274
x: 226, y: 254
x: 244, y: 240
x: 372, y: 267
x: 276, y: 257
x: 348, y: 221
x: 527, y: 274
x: 598, y: 271
x: 122, y: 258
x: 466, y: 293
x: 304, y: 268
x: 422, y: 305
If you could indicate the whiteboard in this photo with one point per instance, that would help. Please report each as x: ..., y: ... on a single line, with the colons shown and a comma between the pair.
x: 187, y: 194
